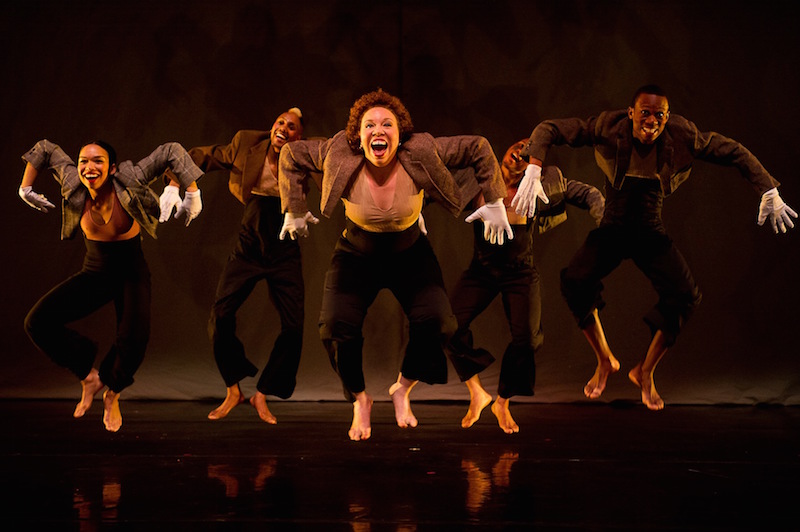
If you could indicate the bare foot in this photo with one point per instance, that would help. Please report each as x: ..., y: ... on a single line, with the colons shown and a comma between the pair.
x: 399, y: 392
x: 112, y: 417
x: 650, y: 396
x: 259, y: 401
x: 361, y: 429
x: 479, y: 486
x: 479, y: 399
x: 503, y: 414
x: 222, y: 473
x: 89, y: 388
x: 266, y: 470
x: 501, y: 471
x: 594, y: 388
x: 233, y: 398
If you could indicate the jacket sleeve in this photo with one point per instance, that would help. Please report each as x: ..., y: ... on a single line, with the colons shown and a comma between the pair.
x: 169, y: 156
x: 574, y: 132
x: 46, y: 154
x: 473, y: 152
x: 214, y: 157
x: 586, y: 197
x: 297, y: 161
x: 719, y: 149
x: 562, y: 192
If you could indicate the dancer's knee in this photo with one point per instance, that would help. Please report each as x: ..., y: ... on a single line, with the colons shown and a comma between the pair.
x: 672, y: 312
x: 439, y: 329
x: 582, y: 296
x: 220, y: 323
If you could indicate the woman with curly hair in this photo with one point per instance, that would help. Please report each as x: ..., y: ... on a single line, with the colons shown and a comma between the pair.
x: 382, y: 172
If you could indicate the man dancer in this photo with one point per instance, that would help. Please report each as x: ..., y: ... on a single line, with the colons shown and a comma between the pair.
x: 645, y: 154
x: 251, y: 159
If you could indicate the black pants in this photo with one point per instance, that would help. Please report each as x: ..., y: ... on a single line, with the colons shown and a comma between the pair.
x: 260, y: 255
x: 654, y: 254
x: 359, y: 269
x: 520, y: 292
x: 112, y: 272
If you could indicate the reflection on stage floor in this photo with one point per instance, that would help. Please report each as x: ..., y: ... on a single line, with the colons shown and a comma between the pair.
x: 572, y: 466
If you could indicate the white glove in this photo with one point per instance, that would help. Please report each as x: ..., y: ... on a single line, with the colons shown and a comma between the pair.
x: 530, y: 188
x: 495, y: 222
x: 37, y: 201
x: 780, y: 214
x: 191, y: 206
x: 169, y: 199
x: 295, y: 225
x: 421, y: 224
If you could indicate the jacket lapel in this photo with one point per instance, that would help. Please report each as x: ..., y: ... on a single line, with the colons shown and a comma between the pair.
x: 253, y: 165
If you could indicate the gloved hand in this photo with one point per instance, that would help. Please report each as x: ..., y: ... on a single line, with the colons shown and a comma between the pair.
x: 37, y: 201
x: 773, y: 207
x: 295, y: 225
x: 169, y: 199
x: 421, y: 224
x: 495, y: 222
x: 530, y: 188
x: 191, y: 206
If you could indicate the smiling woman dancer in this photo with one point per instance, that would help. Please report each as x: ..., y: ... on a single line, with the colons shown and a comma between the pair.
x: 111, y: 204
x: 381, y: 171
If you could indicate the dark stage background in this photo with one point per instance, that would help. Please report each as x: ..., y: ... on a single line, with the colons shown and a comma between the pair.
x: 141, y: 73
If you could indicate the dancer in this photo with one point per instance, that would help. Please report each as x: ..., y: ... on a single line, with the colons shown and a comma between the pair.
x: 251, y: 160
x: 381, y: 171
x: 645, y: 153
x: 111, y: 204
x: 510, y: 271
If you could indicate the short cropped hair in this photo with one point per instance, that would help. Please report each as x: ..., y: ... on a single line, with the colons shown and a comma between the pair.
x: 648, y: 89
x: 299, y: 113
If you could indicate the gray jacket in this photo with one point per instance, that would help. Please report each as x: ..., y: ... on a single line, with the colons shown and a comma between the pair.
x: 429, y: 162
x: 131, y: 182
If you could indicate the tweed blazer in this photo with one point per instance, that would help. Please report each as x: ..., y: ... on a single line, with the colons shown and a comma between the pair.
x: 131, y: 182
x: 611, y: 135
x: 243, y: 158
x: 427, y: 160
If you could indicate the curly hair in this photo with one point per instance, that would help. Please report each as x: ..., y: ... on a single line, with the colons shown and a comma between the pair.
x: 378, y: 98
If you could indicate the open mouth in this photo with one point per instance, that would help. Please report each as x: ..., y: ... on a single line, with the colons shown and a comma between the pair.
x: 648, y: 134
x: 650, y: 130
x: 515, y: 161
x: 280, y: 136
x: 379, y: 147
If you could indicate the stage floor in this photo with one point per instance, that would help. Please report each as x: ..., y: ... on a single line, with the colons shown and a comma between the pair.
x: 574, y: 466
